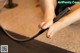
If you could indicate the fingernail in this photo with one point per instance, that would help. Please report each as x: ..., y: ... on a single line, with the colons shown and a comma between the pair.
x: 43, y: 27
x: 42, y: 23
x: 48, y: 36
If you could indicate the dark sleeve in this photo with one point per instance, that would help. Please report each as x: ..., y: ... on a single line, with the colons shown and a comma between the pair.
x: 61, y: 7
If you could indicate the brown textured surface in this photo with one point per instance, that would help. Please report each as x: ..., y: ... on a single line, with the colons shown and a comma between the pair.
x: 25, y: 18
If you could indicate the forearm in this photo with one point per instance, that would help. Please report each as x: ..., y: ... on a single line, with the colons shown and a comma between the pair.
x: 48, y: 7
x: 69, y: 19
x: 47, y: 4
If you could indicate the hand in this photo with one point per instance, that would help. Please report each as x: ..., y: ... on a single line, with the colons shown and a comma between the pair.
x: 55, y: 27
x: 48, y: 7
x: 65, y: 21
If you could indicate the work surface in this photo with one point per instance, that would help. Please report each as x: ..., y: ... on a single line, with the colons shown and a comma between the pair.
x: 24, y: 20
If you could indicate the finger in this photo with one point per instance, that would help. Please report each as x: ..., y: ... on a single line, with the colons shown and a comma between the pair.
x: 63, y: 22
x: 41, y: 24
x: 53, y: 29
x: 48, y: 24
